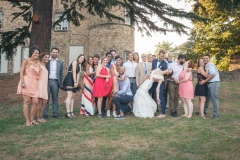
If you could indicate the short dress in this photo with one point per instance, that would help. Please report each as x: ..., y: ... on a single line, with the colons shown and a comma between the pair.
x: 43, y: 83
x: 31, y: 76
x: 201, y: 90
x: 101, y: 87
x: 185, y: 89
x: 68, y: 80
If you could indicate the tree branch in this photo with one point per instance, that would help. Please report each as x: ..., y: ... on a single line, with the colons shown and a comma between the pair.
x: 18, y: 0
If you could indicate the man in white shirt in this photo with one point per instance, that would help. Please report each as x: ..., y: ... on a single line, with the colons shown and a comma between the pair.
x: 143, y: 69
x: 172, y: 86
x: 169, y: 62
x: 55, y: 74
x: 130, y: 71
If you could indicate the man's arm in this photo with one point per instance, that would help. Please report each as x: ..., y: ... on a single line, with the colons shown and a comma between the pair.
x: 126, y: 84
x: 137, y: 74
x: 212, y: 72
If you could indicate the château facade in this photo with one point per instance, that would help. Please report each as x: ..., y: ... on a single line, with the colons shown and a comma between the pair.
x: 94, y: 35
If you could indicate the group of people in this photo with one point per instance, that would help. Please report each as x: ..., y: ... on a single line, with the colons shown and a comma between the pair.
x: 109, y: 84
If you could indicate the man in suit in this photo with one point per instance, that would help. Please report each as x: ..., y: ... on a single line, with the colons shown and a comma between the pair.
x: 55, y: 74
x: 143, y: 69
x: 161, y: 64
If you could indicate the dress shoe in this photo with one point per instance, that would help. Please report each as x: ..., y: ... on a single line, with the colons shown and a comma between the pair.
x: 161, y: 116
x: 174, y: 114
x: 56, y: 117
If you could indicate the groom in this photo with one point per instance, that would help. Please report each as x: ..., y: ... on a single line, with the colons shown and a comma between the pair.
x: 161, y: 64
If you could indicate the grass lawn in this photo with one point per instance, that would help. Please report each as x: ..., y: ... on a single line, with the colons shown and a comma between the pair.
x: 131, y: 138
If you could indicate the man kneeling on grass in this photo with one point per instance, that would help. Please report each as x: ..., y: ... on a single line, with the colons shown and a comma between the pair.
x: 124, y: 96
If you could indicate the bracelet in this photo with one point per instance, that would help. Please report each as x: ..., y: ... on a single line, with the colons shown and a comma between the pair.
x: 22, y: 82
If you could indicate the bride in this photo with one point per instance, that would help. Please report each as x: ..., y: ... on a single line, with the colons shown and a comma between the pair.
x: 144, y: 106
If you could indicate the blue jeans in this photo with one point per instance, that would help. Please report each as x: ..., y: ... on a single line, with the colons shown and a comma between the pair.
x: 121, y: 103
x: 213, y: 89
x: 161, y: 95
x: 53, y: 89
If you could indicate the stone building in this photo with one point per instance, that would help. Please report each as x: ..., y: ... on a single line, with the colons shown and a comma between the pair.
x: 95, y: 35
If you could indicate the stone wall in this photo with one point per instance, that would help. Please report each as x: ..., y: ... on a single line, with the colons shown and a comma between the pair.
x: 234, y: 62
x: 96, y: 35
x: 228, y: 76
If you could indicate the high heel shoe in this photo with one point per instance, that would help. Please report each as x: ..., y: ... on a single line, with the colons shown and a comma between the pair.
x: 72, y: 115
x: 68, y: 115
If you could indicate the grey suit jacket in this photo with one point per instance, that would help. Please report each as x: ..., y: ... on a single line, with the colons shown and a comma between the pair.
x: 59, y: 71
x: 140, y: 72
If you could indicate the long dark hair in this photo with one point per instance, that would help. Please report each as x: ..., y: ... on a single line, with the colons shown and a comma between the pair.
x: 32, y: 50
x: 42, y: 55
x: 84, y: 61
x: 198, y: 64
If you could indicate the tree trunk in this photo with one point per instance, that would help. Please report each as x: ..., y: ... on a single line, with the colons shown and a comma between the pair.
x: 41, y: 25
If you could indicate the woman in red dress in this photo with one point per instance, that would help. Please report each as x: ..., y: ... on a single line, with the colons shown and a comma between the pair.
x: 103, y: 84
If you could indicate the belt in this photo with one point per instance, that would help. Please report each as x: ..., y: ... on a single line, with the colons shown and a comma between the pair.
x: 213, y: 82
x: 51, y: 79
x: 132, y: 77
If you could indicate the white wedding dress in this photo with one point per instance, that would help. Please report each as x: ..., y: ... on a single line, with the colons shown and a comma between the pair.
x: 144, y: 106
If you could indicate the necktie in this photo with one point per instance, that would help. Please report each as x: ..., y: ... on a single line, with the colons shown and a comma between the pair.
x: 159, y: 66
x: 145, y: 69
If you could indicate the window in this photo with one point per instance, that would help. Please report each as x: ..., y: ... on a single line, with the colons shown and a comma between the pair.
x: 3, y: 63
x: 25, y: 53
x: 74, y: 52
x: 126, y: 16
x: 0, y: 19
x: 62, y: 26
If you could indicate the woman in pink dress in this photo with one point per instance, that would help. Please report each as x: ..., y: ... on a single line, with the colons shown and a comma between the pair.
x: 43, y: 86
x: 185, y: 90
x: 28, y: 85
x: 103, y: 84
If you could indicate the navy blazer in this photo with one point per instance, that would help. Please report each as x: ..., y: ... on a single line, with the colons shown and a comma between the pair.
x: 59, y: 71
x: 163, y: 65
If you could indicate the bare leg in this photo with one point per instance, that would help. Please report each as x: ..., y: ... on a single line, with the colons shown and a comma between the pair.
x: 68, y: 101
x: 184, y: 103
x: 72, y: 104
x: 99, y: 104
x: 202, y: 103
x: 190, y: 107
x: 34, y: 108
x: 26, y: 101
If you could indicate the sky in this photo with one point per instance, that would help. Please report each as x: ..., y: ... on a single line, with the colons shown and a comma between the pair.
x: 146, y: 44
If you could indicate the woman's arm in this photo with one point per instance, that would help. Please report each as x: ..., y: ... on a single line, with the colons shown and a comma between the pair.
x: 158, y: 90
x: 187, y: 75
x: 201, y: 70
x: 88, y: 73
x: 74, y: 68
x: 25, y: 62
x: 98, y: 70
x: 112, y: 70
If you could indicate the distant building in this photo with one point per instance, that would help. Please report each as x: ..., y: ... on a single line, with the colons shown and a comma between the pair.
x: 95, y: 35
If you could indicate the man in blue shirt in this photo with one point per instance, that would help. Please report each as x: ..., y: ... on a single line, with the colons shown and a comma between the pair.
x: 124, y: 96
x: 213, y: 82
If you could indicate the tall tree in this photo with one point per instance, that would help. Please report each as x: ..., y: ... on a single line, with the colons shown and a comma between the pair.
x: 38, y: 15
x: 166, y: 46
x: 221, y: 36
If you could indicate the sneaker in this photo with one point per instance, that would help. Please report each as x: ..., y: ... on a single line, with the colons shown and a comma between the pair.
x: 161, y: 116
x: 108, y: 113
x: 119, y: 117
x: 114, y: 114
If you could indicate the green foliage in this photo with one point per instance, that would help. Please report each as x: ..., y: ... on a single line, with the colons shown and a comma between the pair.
x: 166, y: 46
x: 11, y: 39
x: 139, y: 12
x: 221, y: 36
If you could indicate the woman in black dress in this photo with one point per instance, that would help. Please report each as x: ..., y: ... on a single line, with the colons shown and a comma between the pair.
x: 71, y: 83
x: 201, y: 90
